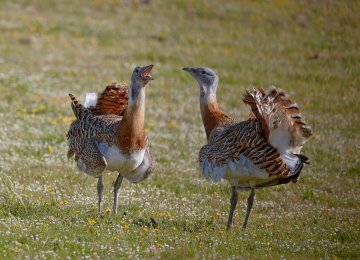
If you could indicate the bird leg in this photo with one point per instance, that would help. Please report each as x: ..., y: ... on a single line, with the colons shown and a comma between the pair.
x: 233, y: 202
x: 100, y: 188
x: 116, y: 192
x: 250, y: 202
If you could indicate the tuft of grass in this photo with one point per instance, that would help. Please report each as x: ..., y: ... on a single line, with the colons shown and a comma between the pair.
x: 50, y: 48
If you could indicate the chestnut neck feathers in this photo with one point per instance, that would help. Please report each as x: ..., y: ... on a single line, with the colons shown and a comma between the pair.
x: 211, y: 115
x: 131, y: 134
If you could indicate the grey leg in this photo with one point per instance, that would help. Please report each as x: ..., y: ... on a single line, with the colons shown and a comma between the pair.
x: 116, y: 192
x: 100, y: 188
x: 250, y: 202
x: 233, y: 202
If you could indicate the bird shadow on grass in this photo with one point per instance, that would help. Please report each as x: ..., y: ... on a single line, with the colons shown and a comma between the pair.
x: 157, y: 222
x: 171, y: 224
x: 54, y: 212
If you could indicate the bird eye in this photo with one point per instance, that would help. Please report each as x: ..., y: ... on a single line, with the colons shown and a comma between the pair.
x: 203, y: 72
x: 137, y: 70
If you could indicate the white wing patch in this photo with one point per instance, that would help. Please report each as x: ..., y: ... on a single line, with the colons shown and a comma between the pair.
x: 212, y: 171
x: 90, y: 100
x: 280, y: 139
x: 242, y: 168
x: 290, y: 159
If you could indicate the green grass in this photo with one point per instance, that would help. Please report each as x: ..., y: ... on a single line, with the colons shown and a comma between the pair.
x: 51, y: 48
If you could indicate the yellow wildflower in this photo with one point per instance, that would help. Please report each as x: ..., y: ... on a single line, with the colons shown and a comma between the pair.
x: 50, y: 149
x: 91, y: 221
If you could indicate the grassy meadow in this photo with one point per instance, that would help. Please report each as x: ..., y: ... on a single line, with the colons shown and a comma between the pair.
x: 48, y: 49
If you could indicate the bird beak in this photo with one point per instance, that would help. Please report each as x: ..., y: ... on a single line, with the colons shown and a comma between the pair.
x: 145, y: 74
x: 187, y: 69
x: 192, y: 71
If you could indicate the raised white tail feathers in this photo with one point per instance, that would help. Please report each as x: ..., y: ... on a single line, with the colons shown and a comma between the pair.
x: 283, y: 124
x: 90, y: 100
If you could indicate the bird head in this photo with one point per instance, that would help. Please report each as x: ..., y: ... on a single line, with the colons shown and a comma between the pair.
x: 206, y: 77
x: 141, y: 74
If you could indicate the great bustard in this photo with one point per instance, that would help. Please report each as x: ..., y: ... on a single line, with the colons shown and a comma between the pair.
x: 260, y: 152
x: 102, y: 140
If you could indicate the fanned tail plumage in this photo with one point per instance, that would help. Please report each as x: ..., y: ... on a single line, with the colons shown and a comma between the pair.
x: 77, y: 108
x: 283, y: 123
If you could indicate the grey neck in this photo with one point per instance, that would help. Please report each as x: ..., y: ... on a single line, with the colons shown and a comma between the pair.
x: 208, y: 93
x: 136, y: 94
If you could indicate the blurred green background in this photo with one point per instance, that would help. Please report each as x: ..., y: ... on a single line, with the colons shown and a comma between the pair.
x: 50, y: 48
